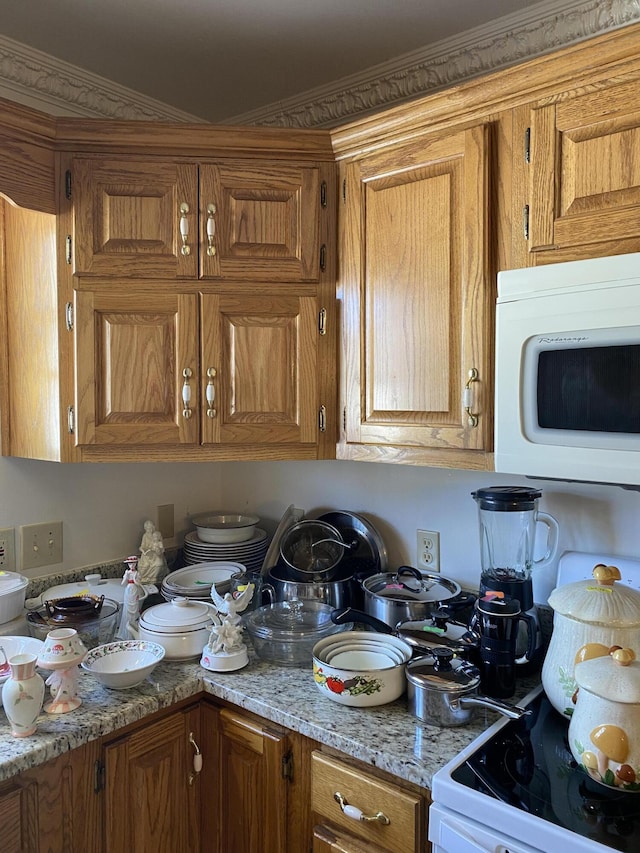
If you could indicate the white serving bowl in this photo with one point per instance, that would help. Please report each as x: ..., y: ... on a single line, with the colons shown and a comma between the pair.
x: 123, y: 663
x: 225, y: 527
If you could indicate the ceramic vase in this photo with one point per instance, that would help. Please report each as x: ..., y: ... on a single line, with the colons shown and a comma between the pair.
x: 23, y: 694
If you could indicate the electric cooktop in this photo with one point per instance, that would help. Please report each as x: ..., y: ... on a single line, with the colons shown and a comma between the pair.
x: 527, y: 764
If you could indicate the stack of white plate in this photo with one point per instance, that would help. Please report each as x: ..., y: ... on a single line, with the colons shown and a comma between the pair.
x: 196, y: 581
x: 250, y: 553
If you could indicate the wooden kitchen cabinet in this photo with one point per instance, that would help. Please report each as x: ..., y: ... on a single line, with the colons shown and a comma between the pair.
x: 152, y: 789
x: 417, y: 301
x: 396, y: 817
x: 238, y: 220
x: 246, y: 780
x: 156, y: 367
x: 53, y: 808
x: 584, y: 172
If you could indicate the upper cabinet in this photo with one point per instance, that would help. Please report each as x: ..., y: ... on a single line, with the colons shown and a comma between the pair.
x: 239, y: 220
x: 584, y: 174
x: 417, y: 299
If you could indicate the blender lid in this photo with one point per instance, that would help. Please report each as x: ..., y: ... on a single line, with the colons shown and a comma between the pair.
x: 507, y: 498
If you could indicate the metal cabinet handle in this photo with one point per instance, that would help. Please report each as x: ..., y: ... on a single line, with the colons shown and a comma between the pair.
x: 187, y: 373
x: 211, y: 392
x: 211, y: 229
x: 197, y: 759
x: 357, y: 814
x: 467, y: 397
x: 184, y: 228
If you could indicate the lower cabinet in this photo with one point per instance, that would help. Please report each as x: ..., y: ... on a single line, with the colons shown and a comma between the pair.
x: 151, y: 787
x: 214, y: 778
x: 53, y: 808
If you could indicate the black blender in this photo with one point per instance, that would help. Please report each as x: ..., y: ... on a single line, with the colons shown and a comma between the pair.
x: 508, y: 516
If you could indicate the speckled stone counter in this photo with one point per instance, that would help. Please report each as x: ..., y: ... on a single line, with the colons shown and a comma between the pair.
x: 387, y: 737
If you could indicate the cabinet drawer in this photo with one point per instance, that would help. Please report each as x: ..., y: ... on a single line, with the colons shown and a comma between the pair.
x: 406, y: 812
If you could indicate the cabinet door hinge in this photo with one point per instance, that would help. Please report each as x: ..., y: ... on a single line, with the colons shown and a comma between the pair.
x: 68, y: 249
x: 68, y: 316
x: 322, y: 321
x: 70, y: 420
x: 98, y: 776
x: 323, y: 194
x: 287, y: 766
x: 322, y: 419
x: 527, y: 145
x: 67, y: 183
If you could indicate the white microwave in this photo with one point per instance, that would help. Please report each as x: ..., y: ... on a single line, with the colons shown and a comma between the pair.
x: 568, y: 371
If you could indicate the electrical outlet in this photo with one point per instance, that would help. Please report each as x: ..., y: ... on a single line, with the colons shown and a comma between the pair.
x: 41, y: 544
x: 429, y: 550
x: 8, y: 549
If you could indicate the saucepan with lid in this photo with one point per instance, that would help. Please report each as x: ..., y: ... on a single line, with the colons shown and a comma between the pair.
x: 409, y: 594
x: 443, y: 690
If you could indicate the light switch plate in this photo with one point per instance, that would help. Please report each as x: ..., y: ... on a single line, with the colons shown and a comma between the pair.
x: 41, y: 544
x: 7, y: 549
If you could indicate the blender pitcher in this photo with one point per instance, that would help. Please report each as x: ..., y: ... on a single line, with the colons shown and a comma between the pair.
x: 508, y: 517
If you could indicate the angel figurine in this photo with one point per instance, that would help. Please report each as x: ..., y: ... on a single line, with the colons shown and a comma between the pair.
x: 229, y: 606
x: 225, y: 650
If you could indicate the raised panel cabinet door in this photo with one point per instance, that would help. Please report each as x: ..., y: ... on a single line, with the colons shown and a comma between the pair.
x: 259, y: 369
x: 133, y: 350
x: 246, y: 811
x: 584, y: 175
x: 135, y: 218
x: 416, y: 295
x: 260, y: 221
x: 152, y: 797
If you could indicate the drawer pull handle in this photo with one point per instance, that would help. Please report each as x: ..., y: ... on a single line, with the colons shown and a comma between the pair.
x: 357, y: 814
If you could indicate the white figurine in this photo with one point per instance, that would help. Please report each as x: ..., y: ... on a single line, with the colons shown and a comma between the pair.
x: 152, y: 565
x: 225, y: 637
x: 133, y: 595
x: 229, y: 606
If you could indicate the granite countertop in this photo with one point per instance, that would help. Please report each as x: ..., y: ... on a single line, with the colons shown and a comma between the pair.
x: 388, y: 736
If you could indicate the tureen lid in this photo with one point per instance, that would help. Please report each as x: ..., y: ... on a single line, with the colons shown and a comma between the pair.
x: 599, y: 601
x: 609, y: 678
x: 177, y: 615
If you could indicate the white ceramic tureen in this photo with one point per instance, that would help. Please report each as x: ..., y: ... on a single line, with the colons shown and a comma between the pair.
x: 590, y: 617
x: 604, y: 732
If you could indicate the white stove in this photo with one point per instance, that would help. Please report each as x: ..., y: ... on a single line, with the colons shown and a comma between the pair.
x: 516, y: 788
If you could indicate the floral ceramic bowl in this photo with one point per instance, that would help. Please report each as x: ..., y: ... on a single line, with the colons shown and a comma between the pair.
x: 123, y: 663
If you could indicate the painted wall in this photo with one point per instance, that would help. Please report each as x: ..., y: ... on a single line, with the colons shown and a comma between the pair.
x: 103, y: 507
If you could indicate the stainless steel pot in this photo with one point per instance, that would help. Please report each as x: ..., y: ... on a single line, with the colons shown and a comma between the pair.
x: 406, y: 595
x: 443, y: 691
x: 338, y: 592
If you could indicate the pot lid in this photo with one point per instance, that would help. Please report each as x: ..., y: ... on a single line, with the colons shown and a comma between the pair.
x: 601, y: 601
x: 11, y: 581
x: 442, y: 672
x: 290, y: 620
x: 410, y: 584
x: 177, y: 615
x: 610, y: 679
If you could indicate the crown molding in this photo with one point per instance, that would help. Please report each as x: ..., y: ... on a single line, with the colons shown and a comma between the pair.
x: 514, y: 38
x: 37, y: 80
x: 40, y: 81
